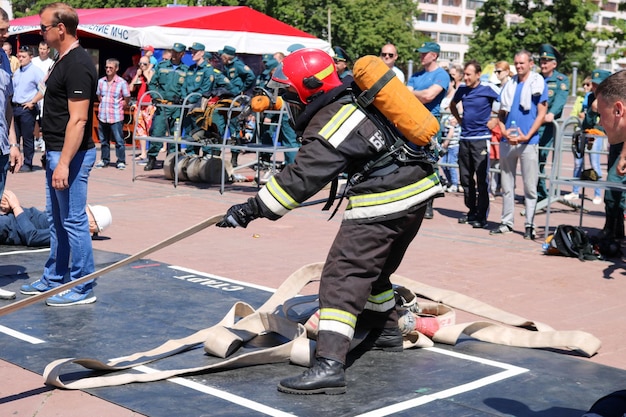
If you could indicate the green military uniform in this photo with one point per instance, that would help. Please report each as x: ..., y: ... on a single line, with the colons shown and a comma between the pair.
x: 558, y: 90
x: 240, y: 75
x: 167, y: 81
x: 204, y: 80
x: 342, y: 56
x: 287, y: 135
x: 241, y: 78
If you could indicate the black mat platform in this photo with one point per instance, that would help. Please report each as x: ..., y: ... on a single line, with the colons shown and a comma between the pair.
x: 145, y: 303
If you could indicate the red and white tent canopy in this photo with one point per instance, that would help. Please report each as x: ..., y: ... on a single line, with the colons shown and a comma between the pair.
x: 246, y: 29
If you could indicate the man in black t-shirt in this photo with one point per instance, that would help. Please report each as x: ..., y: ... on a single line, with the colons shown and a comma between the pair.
x: 71, y: 154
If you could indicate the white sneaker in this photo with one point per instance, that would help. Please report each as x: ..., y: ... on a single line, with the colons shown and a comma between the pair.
x: 571, y: 196
x: 598, y: 200
x: 6, y: 295
x: 460, y: 189
x: 452, y: 189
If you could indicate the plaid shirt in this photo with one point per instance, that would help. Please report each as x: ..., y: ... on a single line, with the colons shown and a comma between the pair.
x: 111, y: 108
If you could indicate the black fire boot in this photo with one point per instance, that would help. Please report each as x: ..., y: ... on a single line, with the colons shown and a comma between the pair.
x: 388, y: 340
x: 326, y: 376
x: 429, y: 210
x: 151, y: 164
x: 233, y: 159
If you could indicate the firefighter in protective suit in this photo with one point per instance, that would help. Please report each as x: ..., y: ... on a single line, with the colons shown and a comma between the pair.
x: 384, y: 213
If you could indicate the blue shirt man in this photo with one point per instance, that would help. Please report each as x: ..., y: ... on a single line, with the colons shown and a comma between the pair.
x: 26, y: 79
x: 430, y: 84
x: 524, y: 101
x: 477, y: 99
x: 25, y: 87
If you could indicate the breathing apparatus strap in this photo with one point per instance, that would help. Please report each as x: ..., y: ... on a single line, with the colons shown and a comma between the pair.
x: 384, y: 164
x: 367, y: 97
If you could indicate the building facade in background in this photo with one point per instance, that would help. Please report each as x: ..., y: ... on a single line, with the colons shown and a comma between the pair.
x: 450, y: 23
x: 604, y: 20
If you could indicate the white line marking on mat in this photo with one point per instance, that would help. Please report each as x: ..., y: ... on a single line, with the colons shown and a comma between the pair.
x: 509, y: 372
x: 17, y: 252
x: 235, y: 399
x: 234, y: 281
x: 20, y: 335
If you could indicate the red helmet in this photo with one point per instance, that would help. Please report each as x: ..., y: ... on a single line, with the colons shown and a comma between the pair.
x: 310, y: 71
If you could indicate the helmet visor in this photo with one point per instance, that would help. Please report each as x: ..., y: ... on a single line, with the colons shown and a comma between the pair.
x: 279, y: 79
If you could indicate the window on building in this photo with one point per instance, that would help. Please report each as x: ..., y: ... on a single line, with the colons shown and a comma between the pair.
x: 450, y: 56
x: 450, y: 38
x: 609, y: 6
x: 608, y: 21
x: 475, y: 4
x: 428, y: 17
x: 450, y: 20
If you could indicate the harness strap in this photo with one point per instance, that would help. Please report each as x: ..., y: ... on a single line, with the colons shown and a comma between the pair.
x: 332, y: 194
x: 367, y: 97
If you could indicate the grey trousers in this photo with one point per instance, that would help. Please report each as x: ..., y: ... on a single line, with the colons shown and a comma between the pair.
x: 529, y: 161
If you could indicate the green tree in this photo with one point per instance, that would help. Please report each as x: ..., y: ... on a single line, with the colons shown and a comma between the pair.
x: 493, y: 38
x: 361, y: 27
x: 560, y: 23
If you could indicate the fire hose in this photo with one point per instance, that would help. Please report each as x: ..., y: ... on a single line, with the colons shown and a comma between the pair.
x: 163, y: 244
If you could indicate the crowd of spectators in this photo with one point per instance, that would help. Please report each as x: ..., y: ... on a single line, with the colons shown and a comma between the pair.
x: 163, y: 84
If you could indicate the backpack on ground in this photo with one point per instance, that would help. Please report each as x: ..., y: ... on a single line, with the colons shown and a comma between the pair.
x: 570, y: 241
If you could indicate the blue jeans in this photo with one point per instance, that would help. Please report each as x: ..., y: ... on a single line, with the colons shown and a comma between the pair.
x: 105, y: 131
x: 594, y: 159
x: 451, y: 173
x: 4, y: 169
x: 69, y: 225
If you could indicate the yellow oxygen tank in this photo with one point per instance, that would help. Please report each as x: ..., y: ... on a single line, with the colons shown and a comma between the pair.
x: 394, y: 100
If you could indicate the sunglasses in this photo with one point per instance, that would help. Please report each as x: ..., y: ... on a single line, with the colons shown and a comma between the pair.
x: 24, y: 49
x: 385, y: 54
x: 498, y: 71
x: 586, y: 85
x: 143, y: 63
x: 45, y: 28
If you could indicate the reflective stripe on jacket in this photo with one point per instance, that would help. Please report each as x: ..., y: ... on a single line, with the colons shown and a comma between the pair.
x: 340, y: 138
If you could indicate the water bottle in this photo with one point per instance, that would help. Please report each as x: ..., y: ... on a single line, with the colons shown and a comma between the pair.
x: 515, y: 132
x: 177, y: 130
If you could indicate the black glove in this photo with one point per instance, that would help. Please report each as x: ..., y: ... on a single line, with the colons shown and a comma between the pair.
x: 240, y: 215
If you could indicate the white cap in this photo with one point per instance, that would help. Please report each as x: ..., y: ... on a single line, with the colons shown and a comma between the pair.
x: 102, y: 216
